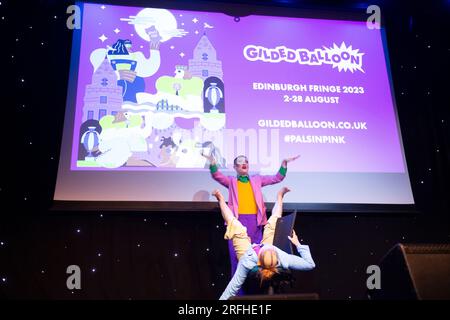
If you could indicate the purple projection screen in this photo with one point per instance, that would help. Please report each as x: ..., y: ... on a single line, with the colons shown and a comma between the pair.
x: 151, y: 89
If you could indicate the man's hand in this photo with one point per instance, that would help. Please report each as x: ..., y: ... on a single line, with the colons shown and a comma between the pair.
x: 294, y: 239
x: 287, y: 160
x: 211, y: 159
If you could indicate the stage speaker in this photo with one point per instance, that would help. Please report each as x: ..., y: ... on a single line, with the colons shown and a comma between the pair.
x: 298, y: 296
x: 415, y: 271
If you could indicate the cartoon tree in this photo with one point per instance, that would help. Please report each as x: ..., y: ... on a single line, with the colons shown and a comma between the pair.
x: 177, y: 87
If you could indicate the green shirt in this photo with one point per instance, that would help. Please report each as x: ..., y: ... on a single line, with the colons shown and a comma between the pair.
x: 243, y: 179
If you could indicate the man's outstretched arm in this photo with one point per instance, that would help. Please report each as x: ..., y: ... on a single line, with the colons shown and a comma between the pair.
x: 215, y: 173
x: 280, y: 175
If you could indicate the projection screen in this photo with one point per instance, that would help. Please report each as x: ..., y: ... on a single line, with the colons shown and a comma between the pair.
x: 151, y: 89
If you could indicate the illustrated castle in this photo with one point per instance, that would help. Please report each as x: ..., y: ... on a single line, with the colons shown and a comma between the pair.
x: 205, y: 63
x: 103, y: 96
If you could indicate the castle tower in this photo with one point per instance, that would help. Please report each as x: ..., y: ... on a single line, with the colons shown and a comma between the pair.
x: 204, y: 63
x: 103, y: 96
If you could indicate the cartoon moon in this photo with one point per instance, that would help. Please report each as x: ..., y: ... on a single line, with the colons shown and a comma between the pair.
x: 162, y: 19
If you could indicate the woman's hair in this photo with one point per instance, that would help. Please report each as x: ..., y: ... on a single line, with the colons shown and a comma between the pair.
x: 266, y: 274
x: 268, y: 261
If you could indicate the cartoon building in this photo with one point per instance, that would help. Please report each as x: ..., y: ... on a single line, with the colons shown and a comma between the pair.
x: 205, y: 63
x: 103, y: 96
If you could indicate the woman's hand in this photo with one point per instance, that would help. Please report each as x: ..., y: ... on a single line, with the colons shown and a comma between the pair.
x: 294, y: 239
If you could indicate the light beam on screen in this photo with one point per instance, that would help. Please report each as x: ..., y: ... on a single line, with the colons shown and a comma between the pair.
x: 151, y: 89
